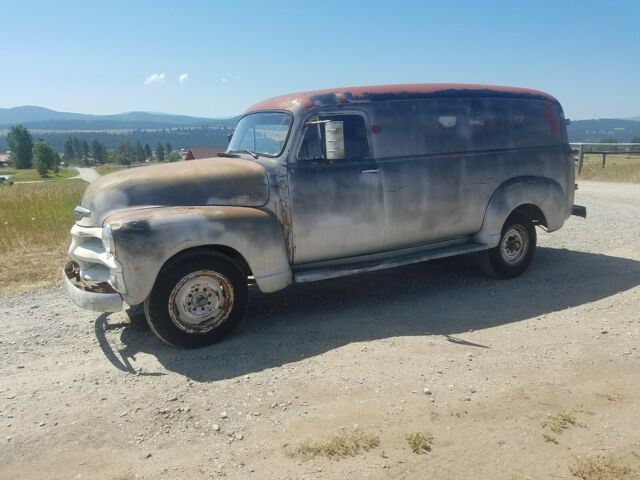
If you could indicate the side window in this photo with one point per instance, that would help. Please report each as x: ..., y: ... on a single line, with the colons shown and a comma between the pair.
x: 356, y: 144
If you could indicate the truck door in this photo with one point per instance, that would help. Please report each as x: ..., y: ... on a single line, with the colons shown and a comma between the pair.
x: 337, y: 205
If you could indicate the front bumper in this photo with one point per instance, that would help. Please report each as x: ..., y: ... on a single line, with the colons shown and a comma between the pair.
x: 106, y: 300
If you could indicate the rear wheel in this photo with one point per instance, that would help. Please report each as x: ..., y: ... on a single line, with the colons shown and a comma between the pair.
x: 197, y: 299
x: 515, y: 251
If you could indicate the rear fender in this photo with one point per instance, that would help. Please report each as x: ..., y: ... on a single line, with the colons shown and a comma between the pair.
x: 542, y: 192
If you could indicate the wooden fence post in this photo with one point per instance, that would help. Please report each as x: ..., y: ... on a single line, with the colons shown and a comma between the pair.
x: 604, y: 159
x: 580, y: 160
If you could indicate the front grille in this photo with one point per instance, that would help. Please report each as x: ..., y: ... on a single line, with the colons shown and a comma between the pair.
x: 97, y: 265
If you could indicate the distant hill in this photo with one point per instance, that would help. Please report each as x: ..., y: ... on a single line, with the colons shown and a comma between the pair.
x: 40, y: 118
x: 597, y: 130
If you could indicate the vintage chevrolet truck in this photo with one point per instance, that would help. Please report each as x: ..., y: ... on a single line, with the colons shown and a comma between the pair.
x: 323, y: 184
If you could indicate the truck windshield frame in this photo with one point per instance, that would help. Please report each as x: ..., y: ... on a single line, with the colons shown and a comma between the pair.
x: 263, y: 133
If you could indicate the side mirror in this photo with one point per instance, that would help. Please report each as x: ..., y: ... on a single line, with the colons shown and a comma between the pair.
x: 334, y: 140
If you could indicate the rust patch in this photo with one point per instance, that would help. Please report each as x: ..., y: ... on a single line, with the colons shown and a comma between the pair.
x: 336, y: 96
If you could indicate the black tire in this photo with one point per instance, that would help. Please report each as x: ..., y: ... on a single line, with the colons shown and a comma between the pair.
x: 177, y: 283
x: 137, y: 316
x: 496, y: 262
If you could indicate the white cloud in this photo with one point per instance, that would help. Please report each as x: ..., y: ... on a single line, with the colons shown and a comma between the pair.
x: 155, y: 78
x: 224, y: 80
x: 183, y: 78
x: 618, y: 97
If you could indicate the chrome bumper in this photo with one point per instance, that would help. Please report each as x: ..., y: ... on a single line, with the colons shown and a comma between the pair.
x: 96, y: 301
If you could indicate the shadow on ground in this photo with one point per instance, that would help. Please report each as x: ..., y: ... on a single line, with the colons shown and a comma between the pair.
x: 446, y: 297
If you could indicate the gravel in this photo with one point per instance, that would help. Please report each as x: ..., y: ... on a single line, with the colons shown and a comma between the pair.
x: 89, y: 395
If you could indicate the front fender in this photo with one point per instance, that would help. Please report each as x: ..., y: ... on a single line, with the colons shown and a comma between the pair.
x: 146, y: 238
x: 545, y: 193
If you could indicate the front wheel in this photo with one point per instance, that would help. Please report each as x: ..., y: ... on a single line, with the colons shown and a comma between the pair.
x: 197, y: 299
x: 515, y: 251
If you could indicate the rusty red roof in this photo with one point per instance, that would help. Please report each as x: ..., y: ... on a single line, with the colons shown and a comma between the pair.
x: 335, y: 96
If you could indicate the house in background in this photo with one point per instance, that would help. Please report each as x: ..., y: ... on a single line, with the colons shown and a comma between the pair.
x: 203, y: 152
x: 4, y: 160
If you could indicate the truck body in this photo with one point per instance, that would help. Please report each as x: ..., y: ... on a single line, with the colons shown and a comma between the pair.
x: 322, y: 184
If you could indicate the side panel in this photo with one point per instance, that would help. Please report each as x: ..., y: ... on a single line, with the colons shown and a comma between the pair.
x: 442, y: 160
x: 545, y: 193
x: 146, y: 238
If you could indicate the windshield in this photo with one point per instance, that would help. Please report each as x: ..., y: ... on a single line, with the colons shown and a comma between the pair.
x: 261, y: 133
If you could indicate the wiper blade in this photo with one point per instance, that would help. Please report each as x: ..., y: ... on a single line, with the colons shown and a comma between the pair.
x: 244, y: 150
x: 226, y: 154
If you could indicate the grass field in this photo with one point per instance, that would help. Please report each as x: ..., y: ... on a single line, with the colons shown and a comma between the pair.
x: 35, y: 219
x: 109, y: 168
x: 619, y: 168
x: 30, y: 175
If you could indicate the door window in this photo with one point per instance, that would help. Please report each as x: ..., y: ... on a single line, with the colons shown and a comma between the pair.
x: 356, y: 144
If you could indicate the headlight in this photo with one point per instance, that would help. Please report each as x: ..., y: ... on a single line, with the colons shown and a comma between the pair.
x: 107, y: 238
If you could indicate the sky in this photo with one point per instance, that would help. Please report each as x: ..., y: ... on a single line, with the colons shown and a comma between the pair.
x: 216, y: 58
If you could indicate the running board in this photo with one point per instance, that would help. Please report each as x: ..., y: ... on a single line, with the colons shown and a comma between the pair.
x: 322, y: 271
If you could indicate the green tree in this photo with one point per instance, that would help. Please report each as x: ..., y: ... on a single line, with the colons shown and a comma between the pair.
x: 172, y: 157
x: 608, y: 140
x: 77, y: 148
x: 98, y: 152
x: 124, y: 154
x: 167, y: 148
x: 160, y: 152
x: 139, y: 153
x: 635, y: 140
x: 44, y: 157
x: 21, y: 146
x: 69, y: 152
x: 147, y: 151
x: 85, y: 152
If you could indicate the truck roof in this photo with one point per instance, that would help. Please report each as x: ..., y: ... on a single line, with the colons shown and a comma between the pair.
x: 338, y: 96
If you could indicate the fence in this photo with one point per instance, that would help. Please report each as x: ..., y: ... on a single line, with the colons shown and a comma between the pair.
x: 603, y: 149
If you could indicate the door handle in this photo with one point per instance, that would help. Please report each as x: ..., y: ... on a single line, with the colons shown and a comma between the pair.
x: 373, y: 170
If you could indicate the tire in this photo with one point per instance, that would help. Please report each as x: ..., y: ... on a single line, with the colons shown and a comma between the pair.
x: 137, y: 316
x: 515, y: 251
x: 197, y: 299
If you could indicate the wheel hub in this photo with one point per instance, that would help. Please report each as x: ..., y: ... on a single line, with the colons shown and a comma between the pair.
x: 201, y: 301
x: 514, y: 244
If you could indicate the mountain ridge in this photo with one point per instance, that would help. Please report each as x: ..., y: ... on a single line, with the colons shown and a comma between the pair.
x: 36, y: 117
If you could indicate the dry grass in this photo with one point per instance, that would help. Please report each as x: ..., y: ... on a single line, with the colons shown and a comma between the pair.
x: 420, y: 442
x: 560, y: 422
x: 35, y: 220
x: 602, y: 468
x: 339, y: 446
x: 109, y: 168
x: 619, y: 168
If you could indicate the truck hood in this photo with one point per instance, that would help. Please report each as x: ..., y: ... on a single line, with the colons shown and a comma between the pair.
x: 213, y: 181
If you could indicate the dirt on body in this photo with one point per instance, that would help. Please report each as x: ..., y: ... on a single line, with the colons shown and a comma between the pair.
x: 528, y: 378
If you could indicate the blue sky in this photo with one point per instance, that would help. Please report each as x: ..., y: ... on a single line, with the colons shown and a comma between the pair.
x: 94, y: 57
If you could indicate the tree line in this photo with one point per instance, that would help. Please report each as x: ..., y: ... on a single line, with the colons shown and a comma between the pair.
x: 25, y: 154
x: 179, y: 138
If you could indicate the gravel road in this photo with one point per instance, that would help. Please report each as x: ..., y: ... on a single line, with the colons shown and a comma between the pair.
x: 481, y: 364
x: 88, y: 174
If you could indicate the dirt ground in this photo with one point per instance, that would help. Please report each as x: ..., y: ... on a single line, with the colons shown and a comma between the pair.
x: 85, y: 395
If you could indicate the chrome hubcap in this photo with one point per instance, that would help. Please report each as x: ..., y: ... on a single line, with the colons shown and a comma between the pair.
x: 514, y: 244
x: 201, y: 301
